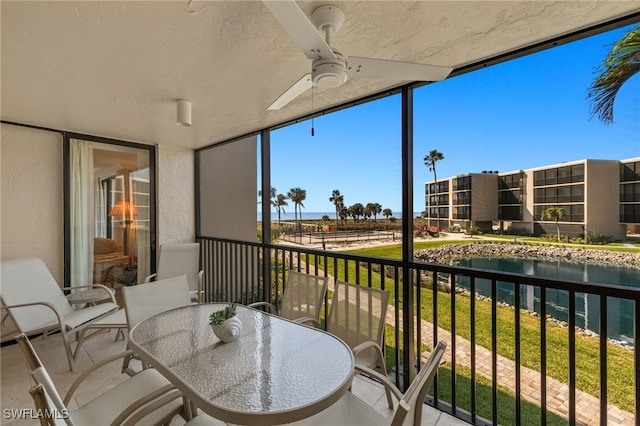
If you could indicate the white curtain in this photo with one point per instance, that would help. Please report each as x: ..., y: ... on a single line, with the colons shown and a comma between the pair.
x: 140, y: 196
x: 101, y: 210
x: 82, y: 213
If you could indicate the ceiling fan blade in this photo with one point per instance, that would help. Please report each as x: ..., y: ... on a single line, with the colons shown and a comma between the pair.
x: 394, y: 70
x: 301, y: 30
x: 298, y: 88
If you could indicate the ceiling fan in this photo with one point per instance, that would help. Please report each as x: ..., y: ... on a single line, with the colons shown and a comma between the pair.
x: 329, y: 68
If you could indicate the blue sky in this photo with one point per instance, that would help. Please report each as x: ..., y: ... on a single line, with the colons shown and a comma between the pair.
x: 520, y: 114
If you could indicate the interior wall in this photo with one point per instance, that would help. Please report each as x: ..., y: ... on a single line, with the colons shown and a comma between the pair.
x: 31, y: 198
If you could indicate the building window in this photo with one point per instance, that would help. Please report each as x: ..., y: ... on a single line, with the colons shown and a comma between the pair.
x: 630, y: 172
x: 510, y: 213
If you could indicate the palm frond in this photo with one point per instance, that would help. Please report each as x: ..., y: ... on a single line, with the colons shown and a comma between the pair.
x: 622, y: 62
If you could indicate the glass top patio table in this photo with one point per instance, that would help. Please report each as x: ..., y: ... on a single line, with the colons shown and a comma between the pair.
x: 276, y: 372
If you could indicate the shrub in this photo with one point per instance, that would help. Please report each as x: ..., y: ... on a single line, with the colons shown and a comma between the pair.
x: 594, y: 238
x: 455, y: 228
x: 474, y: 230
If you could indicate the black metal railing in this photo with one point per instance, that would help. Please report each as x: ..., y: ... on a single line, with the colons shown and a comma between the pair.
x: 485, y: 311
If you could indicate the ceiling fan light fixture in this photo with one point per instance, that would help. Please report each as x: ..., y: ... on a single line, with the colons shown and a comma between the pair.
x: 329, y: 73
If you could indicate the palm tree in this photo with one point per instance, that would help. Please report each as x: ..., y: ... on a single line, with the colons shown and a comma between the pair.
x: 387, y: 213
x: 376, y: 209
x: 622, y: 62
x: 272, y: 196
x: 368, y: 210
x: 430, y: 161
x: 344, y: 214
x: 279, y: 203
x: 356, y: 210
x: 297, y: 195
x: 555, y: 213
x: 338, y: 201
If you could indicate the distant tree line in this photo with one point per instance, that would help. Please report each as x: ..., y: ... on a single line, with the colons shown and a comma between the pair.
x: 358, y: 211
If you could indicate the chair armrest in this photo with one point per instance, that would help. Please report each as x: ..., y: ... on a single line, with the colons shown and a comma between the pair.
x: 149, y: 403
x: 361, y: 369
x: 308, y: 320
x: 91, y: 369
x: 201, y: 286
x: 149, y: 278
x: 270, y: 307
x: 102, y: 286
x: 381, y: 362
x: 47, y: 304
x: 378, y: 350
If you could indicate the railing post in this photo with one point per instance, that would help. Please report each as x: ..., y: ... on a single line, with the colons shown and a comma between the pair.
x: 408, y: 359
x: 265, y: 159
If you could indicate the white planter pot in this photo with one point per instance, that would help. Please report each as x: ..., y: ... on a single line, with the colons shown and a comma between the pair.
x: 228, y: 331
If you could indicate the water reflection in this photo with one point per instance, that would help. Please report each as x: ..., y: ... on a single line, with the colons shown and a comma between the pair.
x: 619, y: 312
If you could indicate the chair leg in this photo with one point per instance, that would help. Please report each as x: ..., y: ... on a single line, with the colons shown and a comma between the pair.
x: 119, y: 333
x: 67, y: 348
x: 79, y: 341
x: 383, y: 369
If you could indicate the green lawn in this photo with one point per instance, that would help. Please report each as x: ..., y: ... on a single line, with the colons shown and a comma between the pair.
x: 620, y: 361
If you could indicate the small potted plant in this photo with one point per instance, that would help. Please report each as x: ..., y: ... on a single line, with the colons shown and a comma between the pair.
x: 225, y: 323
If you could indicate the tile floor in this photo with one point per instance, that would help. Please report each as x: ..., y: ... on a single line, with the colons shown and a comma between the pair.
x: 15, y: 382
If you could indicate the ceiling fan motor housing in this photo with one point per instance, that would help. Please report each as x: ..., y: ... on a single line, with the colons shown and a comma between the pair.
x: 329, y: 73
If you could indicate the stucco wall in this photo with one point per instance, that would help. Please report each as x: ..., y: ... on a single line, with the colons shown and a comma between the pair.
x: 31, y: 201
x: 176, y: 195
x: 31, y: 198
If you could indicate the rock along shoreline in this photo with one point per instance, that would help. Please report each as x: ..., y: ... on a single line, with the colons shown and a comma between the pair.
x: 451, y: 253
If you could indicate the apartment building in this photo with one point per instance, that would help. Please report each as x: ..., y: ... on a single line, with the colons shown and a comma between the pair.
x: 598, y: 196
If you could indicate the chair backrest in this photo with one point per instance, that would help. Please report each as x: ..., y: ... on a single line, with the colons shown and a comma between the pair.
x: 33, y: 360
x: 41, y: 376
x: 28, y: 280
x: 49, y: 414
x: 178, y: 259
x: 303, y: 295
x: 53, y: 398
x: 358, y: 314
x: 409, y: 411
x: 145, y: 300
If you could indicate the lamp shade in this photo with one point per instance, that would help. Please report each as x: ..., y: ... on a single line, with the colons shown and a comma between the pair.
x: 184, y: 112
x: 124, y: 208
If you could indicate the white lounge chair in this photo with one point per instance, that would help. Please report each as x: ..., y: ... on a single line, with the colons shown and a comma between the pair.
x: 36, y: 303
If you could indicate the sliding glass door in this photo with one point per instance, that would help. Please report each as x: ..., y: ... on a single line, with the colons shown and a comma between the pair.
x: 110, y: 212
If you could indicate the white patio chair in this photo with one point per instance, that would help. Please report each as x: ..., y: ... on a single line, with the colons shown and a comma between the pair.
x: 351, y: 410
x: 301, y: 299
x: 145, y: 399
x: 358, y: 315
x: 178, y: 259
x: 145, y: 300
x: 37, y: 304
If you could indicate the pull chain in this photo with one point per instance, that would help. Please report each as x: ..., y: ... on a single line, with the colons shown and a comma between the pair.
x: 312, y: 116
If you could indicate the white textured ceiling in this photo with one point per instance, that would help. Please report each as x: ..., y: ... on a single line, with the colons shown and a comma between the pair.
x: 115, y: 69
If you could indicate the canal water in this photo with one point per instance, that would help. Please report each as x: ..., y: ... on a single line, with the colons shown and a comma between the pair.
x: 619, y: 311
